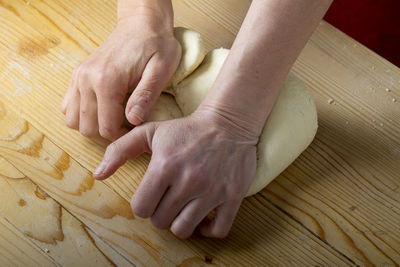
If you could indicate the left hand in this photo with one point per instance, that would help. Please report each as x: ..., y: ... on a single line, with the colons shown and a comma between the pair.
x: 199, y: 163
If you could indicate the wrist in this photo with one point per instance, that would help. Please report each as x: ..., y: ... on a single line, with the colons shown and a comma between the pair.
x: 158, y: 10
x: 242, y: 101
x: 214, y: 117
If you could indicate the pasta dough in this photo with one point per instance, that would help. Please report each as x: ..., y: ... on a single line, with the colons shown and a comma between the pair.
x: 193, y: 52
x: 289, y: 129
x: 165, y: 109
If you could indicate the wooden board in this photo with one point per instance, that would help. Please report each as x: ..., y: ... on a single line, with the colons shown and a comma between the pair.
x: 47, y: 225
x: 108, y: 215
x: 337, y: 204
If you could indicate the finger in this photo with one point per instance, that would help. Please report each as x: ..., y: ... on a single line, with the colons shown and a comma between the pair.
x: 111, y: 116
x: 72, y: 112
x: 65, y: 101
x: 150, y: 191
x: 67, y: 96
x: 221, y: 224
x: 128, y: 146
x: 155, y: 76
x: 169, y: 207
x: 88, y: 123
x: 192, y: 214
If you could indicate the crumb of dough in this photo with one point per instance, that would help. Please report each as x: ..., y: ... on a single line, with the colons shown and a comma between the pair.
x: 394, y: 100
x: 330, y: 101
x: 46, y: 250
x: 387, y: 90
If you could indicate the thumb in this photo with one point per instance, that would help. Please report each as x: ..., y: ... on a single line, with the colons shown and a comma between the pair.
x: 155, y: 76
x: 129, y: 146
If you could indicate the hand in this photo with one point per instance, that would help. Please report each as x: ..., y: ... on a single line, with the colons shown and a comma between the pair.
x: 199, y: 163
x: 141, y: 53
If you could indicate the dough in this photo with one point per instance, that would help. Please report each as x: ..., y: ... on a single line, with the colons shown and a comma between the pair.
x: 289, y: 129
x: 165, y: 109
x: 191, y: 91
x: 193, y: 52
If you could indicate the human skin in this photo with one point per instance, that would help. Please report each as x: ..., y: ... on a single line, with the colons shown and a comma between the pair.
x: 141, y: 54
x: 206, y: 161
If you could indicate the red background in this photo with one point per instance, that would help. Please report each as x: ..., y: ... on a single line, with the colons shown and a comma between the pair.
x: 374, y: 23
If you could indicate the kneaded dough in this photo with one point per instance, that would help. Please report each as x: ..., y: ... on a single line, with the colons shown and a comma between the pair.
x: 191, y: 91
x: 289, y: 129
x: 165, y: 109
x: 193, y: 53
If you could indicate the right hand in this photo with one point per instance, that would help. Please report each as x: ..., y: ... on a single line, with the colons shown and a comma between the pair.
x: 141, y: 54
x: 199, y: 163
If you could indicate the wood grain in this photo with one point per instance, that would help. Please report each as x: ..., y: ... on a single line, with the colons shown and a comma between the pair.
x: 47, y: 225
x: 15, y: 250
x: 108, y: 215
x: 344, y: 190
x: 95, y: 204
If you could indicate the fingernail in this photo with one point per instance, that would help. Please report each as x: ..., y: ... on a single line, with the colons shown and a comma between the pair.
x: 100, y: 169
x: 136, y: 111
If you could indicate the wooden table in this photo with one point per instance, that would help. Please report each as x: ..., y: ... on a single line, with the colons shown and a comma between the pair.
x: 337, y: 204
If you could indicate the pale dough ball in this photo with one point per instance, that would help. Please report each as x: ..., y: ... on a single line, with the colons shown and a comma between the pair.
x: 193, y: 52
x: 289, y: 129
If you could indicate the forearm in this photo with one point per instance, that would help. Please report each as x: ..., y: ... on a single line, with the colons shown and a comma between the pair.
x: 269, y: 41
x: 159, y: 9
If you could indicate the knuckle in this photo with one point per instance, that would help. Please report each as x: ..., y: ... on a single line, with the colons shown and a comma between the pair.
x: 196, y: 182
x: 139, y: 210
x: 83, y: 89
x: 178, y: 200
x: 164, y: 163
x: 108, y: 132
x: 191, y: 183
x: 71, y: 123
x: 160, y: 223
x: 89, y: 133
x: 158, y: 177
x: 143, y: 96
x: 95, y: 76
x: 181, y: 231
x: 100, y: 76
x: 113, y: 149
x: 83, y: 70
x: 84, y: 112
x: 104, y: 75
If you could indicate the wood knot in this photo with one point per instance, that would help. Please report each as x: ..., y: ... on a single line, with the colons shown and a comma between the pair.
x: 22, y: 202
